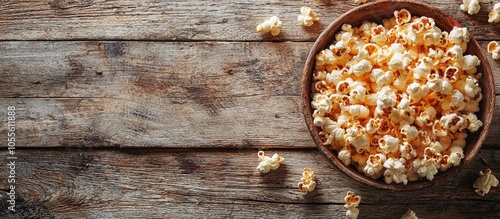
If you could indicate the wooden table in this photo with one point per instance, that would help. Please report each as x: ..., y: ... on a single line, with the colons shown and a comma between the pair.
x: 156, y: 109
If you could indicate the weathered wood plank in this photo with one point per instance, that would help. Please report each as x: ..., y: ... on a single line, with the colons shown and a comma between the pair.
x: 150, y: 121
x: 187, y: 20
x: 158, y: 94
x: 85, y: 183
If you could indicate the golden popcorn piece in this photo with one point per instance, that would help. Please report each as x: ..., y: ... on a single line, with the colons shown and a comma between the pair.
x: 403, y: 16
x: 267, y: 163
x: 494, y: 49
x: 307, y: 17
x: 485, y: 181
x: 352, y: 202
x: 308, y: 183
x: 272, y: 25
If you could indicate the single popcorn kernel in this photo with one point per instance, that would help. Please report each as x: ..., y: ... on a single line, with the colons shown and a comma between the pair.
x: 267, y: 163
x: 397, y: 101
x: 307, y: 17
x: 494, y: 49
x: 410, y: 214
x: 352, y: 202
x: 485, y: 181
x: 470, y: 6
x: 494, y: 15
x: 272, y: 25
x: 308, y: 183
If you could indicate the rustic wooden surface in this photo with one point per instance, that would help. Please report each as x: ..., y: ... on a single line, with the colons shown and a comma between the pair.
x: 156, y: 109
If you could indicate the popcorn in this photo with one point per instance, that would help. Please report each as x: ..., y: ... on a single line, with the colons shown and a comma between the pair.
x: 397, y: 100
x: 272, y: 25
x: 494, y: 15
x: 409, y: 215
x: 485, y: 181
x: 494, y: 49
x: 374, y: 166
x: 307, y: 17
x: 402, y: 16
x: 470, y: 6
x: 352, y: 202
x: 308, y: 183
x: 267, y: 163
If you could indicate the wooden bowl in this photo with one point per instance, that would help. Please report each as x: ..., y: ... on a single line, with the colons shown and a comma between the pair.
x: 375, y: 12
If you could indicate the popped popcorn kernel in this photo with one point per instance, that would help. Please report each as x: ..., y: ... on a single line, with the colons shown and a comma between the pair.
x: 272, y: 25
x: 494, y: 49
x: 470, y: 6
x: 485, y: 181
x: 410, y: 214
x: 308, y: 183
x: 307, y: 17
x: 397, y: 100
x: 352, y: 202
x: 494, y: 15
x: 267, y: 163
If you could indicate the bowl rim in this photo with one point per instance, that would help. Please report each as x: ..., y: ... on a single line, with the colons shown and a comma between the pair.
x: 470, y: 150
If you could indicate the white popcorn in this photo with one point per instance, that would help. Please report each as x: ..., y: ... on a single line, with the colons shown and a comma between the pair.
x: 267, y: 163
x: 374, y: 166
x: 409, y: 132
x: 485, y: 181
x: 494, y: 15
x: 308, y: 183
x: 361, y: 67
x: 359, y: 2
x: 307, y: 17
x: 470, y: 61
x: 272, y: 25
x: 402, y: 16
x: 388, y: 144
x: 395, y: 171
x: 470, y: 6
x: 494, y: 49
x: 398, y: 99
x: 407, y: 151
x: 474, y: 123
x: 345, y: 156
x: 409, y: 215
x: 351, y: 205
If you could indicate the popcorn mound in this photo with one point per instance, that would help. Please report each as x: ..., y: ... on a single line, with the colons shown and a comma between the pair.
x: 396, y: 100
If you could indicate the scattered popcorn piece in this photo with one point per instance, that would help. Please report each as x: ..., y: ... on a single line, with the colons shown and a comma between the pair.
x: 352, y: 202
x: 307, y: 17
x: 308, y: 183
x: 494, y: 49
x: 485, y: 181
x: 494, y: 15
x: 410, y: 214
x: 272, y: 25
x: 267, y: 163
x: 470, y: 6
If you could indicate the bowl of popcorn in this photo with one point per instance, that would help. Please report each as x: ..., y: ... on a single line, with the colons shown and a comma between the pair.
x: 397, y: 95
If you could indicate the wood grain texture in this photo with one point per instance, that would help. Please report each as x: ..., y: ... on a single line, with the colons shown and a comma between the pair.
x: 162, y: 94
x: 188, y: 20
x: 84, y: 183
